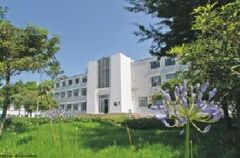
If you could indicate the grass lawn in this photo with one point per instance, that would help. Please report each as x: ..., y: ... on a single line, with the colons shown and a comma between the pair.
x: 106, y: 138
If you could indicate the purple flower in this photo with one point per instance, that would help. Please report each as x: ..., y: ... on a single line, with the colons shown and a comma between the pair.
x: 189, y: 108
x: 212, y: 94
x: 207, y: 129
x: 204, y: 87
x: 166, y: 95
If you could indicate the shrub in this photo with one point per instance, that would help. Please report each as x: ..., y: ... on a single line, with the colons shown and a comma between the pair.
x: 22, y: 124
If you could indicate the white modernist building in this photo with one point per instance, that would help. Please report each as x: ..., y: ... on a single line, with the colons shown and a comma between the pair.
x: 116, y: 84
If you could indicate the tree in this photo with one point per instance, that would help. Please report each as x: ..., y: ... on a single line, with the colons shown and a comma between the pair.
x: 215, y: 52
x: 31, y: 97
x: 175, y: 20
x: 29, y: 49
x: 28, y: 96
x: 46, y: 96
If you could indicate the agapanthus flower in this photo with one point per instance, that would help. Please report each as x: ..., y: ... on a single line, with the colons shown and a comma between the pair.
x: 188, y: 105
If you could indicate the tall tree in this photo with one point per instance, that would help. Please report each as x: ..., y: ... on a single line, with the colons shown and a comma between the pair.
x: 216, y: 50
x: 29, y: 49
x: 175, y: 20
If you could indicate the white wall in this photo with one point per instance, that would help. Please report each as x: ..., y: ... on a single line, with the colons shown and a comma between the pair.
x: 141, y: 78
x: 92, y: 104
x: 120, y: 83
x: 126, y: 84
x: 115, y: 84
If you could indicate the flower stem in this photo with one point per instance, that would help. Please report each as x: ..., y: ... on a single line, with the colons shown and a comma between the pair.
x: 191, y: 149
x: 187, y: 144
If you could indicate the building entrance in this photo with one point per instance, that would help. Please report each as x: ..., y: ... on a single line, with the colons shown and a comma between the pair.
x: 103, y: 104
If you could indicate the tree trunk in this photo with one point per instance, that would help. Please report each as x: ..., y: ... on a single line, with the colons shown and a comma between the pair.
x: 237, y: 100
x: 227, y: 118
x: 6, y: 103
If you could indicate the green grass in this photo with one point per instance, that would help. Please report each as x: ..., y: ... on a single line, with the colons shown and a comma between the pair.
x: 104, y: 138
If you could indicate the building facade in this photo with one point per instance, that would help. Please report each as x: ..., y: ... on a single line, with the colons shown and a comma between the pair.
x: 116, y: 84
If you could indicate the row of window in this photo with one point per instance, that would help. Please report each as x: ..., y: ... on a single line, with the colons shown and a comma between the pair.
x: 156, y: 80
x: 72, y: 93
x: 71, y: 82
x: 77, y: 106
x: 168, y: 62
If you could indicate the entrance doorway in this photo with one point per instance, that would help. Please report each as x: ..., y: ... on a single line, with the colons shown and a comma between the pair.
x: 103, y: 104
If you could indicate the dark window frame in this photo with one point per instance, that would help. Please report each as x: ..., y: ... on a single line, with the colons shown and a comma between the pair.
x: 84, y: 91
x: 77, y: 81
x: 155, y: 64
x: 63, y: 83
x: 84, y: 79
x: 70, y: 82
x: 155, y: 83
x: 170, y: 61
x: 141, y: 99
x: 76, y: 91
x: 83, y: 104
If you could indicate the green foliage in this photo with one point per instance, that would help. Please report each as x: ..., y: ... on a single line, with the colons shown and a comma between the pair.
x: 46, y: 97
x: 25, y: 49
x: 156, y: 97
x: 24, y: 124
x: 28, y: 49
x: 174, y: 22
x: 216, y: 50
x: 54, y: 70
x: 236, y: 69
x: 27, y: 96
x: 171, y: 84
x: 30, y: 96
x: 111, y: 118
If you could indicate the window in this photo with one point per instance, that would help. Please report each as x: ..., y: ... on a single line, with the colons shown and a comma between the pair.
x: 115, y: 103
x: 57, y: 95
x: 155, y: 64
x: 75, y: 106
x: 156, y: 81
x: 170, y: 76
x: 62, y: 106
x: 75, y: 92
x: 142, y: 101
x: 103, y: 72
x: 57, y: 85
x: 69, y: 107
x: 69, y: 94
x: 84, y: 91
x: 62, y: 94
x: 63, y: 83
x: 84, y: 79
x: 70, y: 82
x: 77, y: 80
x: 169, y: 61
x: 83, y: 106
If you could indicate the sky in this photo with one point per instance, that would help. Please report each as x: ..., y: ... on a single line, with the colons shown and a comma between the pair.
x: 89, y: 29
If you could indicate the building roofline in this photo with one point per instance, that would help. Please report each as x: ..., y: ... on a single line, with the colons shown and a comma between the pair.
x: 143, y: 59
x: 72, y: 76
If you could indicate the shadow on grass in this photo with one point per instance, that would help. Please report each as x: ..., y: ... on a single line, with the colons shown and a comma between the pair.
x: 218, y: 143
x: 24, y: 140
x: 108, y: 134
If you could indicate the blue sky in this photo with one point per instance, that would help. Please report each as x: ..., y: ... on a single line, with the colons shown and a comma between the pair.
x: 89, y: 29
